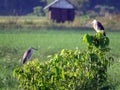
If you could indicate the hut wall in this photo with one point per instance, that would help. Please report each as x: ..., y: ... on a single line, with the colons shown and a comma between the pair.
x: 70, y: 14
x: 61, y: 15
x: 64, y: 15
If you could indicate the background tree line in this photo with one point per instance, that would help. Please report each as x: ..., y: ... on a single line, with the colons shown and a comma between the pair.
x: 19, y: 7
x: 92, y: 7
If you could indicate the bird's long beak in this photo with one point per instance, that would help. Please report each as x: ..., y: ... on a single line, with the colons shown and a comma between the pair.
x: 34, y: 48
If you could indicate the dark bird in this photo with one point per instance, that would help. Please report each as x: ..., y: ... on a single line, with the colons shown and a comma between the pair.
x: 27, y: 55
x: 98, y: 27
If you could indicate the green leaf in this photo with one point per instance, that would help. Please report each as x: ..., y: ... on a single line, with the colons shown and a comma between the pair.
x: 69, y: 69
x: 88, y: 39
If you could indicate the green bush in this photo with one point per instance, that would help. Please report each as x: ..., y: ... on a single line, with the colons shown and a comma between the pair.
x: 38, y: 11
x: 69, y: 70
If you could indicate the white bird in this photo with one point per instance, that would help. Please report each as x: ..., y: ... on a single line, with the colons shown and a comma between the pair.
x: 98, y: 27
x: 27, y: 55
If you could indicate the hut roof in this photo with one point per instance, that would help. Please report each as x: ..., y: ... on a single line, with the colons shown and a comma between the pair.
x: 64, y: 4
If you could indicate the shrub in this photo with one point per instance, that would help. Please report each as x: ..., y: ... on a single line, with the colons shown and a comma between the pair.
x: 69, y: 70
x: 38, y: 11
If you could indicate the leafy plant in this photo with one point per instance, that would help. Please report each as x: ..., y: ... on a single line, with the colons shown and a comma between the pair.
x: 38, y: 11
x: 69, y: 70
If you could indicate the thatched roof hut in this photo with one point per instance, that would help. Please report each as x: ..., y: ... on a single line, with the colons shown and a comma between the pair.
x: 61, y: 11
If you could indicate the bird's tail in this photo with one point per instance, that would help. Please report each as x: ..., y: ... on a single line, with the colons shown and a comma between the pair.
x: 104, y: 33
x: 24, y: 60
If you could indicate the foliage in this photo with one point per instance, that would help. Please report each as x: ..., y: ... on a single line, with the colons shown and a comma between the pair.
x: 19, y: 7
x: 35, y: 22
x: 114, y: 77
x: 103, y: 10
x: 24, y: 7
x: 85, y: 6
x: 38, y: 11
x: 69, y: 70
x: 81, y: 6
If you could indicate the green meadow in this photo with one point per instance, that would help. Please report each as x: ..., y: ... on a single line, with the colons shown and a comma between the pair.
x: 14, y: 42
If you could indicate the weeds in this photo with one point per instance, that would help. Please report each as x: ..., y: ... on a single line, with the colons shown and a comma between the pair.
x: 70, y: 70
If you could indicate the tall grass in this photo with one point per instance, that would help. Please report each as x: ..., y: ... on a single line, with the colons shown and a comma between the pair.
x: 14, y: 42
x: 43, y: 22
x: 51, y: 40
x: 43, y: 40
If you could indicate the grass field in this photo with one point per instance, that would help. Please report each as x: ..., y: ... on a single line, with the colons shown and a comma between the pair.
x: 14, y: 42
x: 43, y: 22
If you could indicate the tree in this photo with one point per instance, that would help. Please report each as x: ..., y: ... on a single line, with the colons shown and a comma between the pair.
x: 81, y: 6
x: 38, y: 11
x: 103, y: 9
x: 19, y: 7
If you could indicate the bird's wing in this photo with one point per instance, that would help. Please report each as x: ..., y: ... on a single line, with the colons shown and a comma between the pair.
x: 100, y: 26
x: 30, y: 51
x: 26, y: 56
x: 24, y: 60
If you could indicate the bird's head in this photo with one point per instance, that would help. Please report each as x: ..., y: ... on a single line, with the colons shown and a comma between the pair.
x: 94, y: 21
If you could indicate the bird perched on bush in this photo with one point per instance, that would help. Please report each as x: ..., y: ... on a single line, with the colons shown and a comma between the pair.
x: 98, y: 27
x: 27, y: 55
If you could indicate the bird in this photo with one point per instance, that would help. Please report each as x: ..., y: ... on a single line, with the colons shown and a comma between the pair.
x: 27, y: 55
x: 98, y: 26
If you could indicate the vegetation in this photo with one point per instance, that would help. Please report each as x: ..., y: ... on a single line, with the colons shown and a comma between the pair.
x: 24, y: 7
x: 70, y: 70
x: 15, y: 41
x: 34, y: 22
x: 18, y: 33
x: 18, y: 7
x: 38, y: 11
